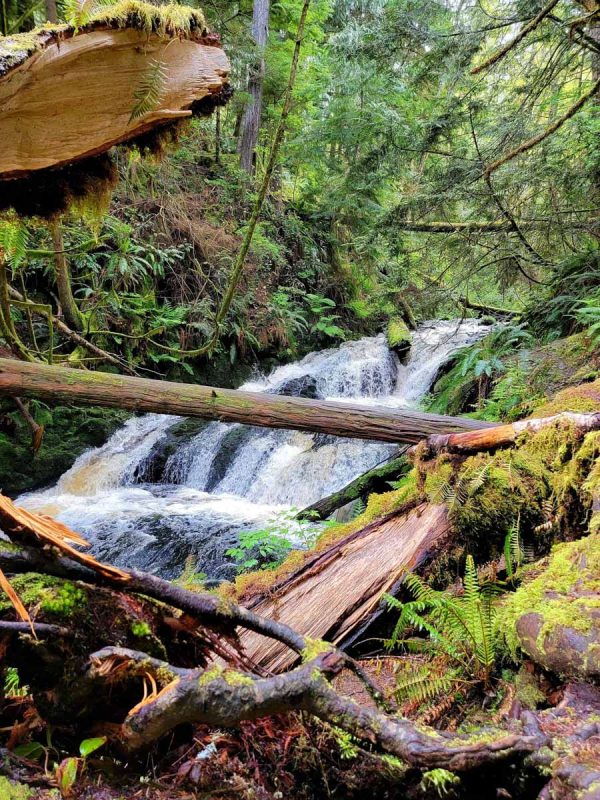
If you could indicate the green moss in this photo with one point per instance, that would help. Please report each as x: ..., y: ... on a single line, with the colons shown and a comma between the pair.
x: 571, y: 565
x: 583, y: 398
x: 14, y: 791
x: 527, y: 690
x: 230, y: 676
x: 140, y: 629
x: 315, y: 648
x: 398, y: 334
x: 50, y: 596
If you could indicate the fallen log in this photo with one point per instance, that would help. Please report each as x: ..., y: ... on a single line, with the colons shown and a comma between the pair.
x: 376, y: 480
x: 337, y: 589
x: 483, y: 308
x: 127, y: 70
x: 500, y: 436
x: 61, y: 384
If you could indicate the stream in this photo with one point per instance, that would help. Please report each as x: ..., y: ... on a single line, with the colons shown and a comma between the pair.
x: 231, y: 477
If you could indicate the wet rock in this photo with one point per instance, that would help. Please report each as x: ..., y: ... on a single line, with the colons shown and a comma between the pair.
x: 304, y: 386
x: 152, y: 468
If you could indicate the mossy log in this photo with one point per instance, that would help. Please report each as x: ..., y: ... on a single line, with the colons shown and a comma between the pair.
x: 61, y: 384
x: 499, y: 436
x: 68, y: 93
x: 375, y: 480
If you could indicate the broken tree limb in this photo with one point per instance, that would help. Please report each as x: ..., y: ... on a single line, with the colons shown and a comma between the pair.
x: 21, y: 525
x: 375, y: 480
x: 221, y: 698
x: 61, y: 384
x: 125, y: 71
x: 501, y: 436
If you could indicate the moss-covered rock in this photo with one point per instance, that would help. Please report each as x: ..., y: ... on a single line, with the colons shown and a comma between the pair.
x: 399, y: 337
x: 554, y: 616
x: 68, y: 432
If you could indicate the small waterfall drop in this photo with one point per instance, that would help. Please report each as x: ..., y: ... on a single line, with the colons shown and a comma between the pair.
x: 232, y: 477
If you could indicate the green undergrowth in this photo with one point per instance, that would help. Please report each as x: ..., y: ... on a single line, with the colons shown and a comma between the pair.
x: 49, y: 596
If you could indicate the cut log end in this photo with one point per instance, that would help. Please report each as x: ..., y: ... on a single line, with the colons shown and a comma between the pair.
x: 112, y: 81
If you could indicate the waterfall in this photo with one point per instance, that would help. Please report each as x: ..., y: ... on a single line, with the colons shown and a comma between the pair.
x: 232, y: 477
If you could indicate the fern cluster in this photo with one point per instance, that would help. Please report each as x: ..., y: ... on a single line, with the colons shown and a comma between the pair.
x: 461, y: 641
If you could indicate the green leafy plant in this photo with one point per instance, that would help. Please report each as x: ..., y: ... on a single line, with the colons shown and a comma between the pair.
x: 460, y: 644
x: 147, y: 95
x: 69, y: 769
x: 267, y: 548
x: 12, y: 684
x: 440, y: 781
x: 587, y: 314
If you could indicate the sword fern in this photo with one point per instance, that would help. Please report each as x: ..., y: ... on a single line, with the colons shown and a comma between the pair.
x: 461, y: 641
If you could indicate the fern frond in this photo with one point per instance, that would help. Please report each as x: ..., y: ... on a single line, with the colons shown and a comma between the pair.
x: 148, y: 94
x: 14, y: 238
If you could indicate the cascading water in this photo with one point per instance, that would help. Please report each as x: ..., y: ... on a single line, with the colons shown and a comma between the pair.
x: 230, y: 477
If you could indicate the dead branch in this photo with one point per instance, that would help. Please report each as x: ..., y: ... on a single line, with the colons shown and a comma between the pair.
x: 23, y: 526
x: 525, y: 30
x: 535, y: 140
x: 40, y: 628
x: 219, y: 698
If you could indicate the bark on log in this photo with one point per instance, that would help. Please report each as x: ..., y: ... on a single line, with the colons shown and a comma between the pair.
x: 61, y: 384
x: 500, y: 436
x: 376, y: 480
x: 97, y: 75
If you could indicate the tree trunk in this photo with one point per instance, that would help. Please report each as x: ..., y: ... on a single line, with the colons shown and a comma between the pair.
x: 51, y: 12
x: 250, y: 125
x: 61, y: 384
x: 70, y: 310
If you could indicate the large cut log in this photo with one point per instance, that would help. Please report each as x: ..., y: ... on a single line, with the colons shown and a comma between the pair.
x: 337, y: 589
x: 64, y: 385
x: 67, y: 93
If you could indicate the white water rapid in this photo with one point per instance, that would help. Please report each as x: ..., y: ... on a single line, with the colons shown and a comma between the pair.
x: 231, y: 477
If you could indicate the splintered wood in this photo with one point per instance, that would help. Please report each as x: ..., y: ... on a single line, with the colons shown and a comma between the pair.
x: 23, y: 526
x: 335, y: 591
